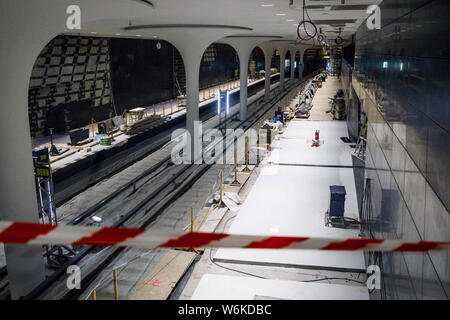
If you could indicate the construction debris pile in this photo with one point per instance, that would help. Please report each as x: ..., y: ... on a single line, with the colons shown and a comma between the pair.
x: 337, y: 106
x: 305, y: 98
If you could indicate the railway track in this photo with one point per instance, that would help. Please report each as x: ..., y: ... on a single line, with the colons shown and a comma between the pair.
x: 68, y: 183
x: 137, y: 203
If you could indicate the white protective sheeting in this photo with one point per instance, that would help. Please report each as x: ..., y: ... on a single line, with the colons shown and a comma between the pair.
x: 292, y: 200
x: 221, y: 287
x: 294, y: 146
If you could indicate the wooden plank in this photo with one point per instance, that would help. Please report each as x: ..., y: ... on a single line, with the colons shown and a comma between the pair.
x: 199, y: 219
x: 160, y: 282
x: 213, y: 220
x: 242, y: 177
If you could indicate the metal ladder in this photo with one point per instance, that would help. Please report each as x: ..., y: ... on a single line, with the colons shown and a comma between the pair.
x: 361, y: 143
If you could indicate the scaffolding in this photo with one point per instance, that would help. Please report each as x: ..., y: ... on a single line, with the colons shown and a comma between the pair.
x: 56, y: 255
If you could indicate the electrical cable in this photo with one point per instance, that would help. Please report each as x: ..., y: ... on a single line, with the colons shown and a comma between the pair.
x: 334, y: 278
x: 302, y: 25
x: 261, y: 277
x: 235, y: 270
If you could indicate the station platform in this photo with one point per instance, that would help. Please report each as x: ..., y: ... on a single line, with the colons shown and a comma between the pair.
x: 289, y: 196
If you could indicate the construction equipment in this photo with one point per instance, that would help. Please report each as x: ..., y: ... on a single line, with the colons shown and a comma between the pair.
x: 303, y: 111
x: 316, y: 141
x: 54, y: 150
x: 235, y: 181
x: 144, y: 124
x: 334, y: 216
x: 56, y: 255
x: 337, y: 106
x: 79, y: 136
x: 360, y: 150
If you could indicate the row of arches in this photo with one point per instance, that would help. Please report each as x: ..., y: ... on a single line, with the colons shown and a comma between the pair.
x: 133, y: 73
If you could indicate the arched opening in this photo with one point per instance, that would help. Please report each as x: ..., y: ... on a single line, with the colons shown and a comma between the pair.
x: 297, y: 65
x: 275, y: 63
x: 219, y: 70
x: 256, y: 65
x: 287, y: 64
x: 87, y: 83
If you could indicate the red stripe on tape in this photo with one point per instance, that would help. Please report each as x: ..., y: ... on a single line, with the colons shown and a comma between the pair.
x: 350, y: 244
x: 275, y: 242
x: 194, y: 240
x: 420, y: 246
x: 109, y: 236
x: 22, y: 232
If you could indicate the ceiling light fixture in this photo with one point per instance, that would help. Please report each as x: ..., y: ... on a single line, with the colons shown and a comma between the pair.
x: 138, y: 35
x: 93, y: 32
x: 281, y: 14
x: 267, y: 5
x: 290, y: 20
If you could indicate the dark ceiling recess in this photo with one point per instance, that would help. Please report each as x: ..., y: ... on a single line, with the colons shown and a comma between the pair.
x: 337, y: 21
x: 253, y: 36
x: 312, y: 7
x: 195, y: 26
x: 147, y: 2
x: 349, y: 7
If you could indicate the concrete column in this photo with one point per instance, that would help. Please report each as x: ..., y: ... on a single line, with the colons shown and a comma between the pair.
x: 292, y: 65
x: 31, y: 25
x: 192, y: 67
x: 243, y: 74
x: 300, y: 70
x: 244, y: 47
x: 192, y: 43
x: 268, y: 49
x: 267, y: 60
x: 282, y: 68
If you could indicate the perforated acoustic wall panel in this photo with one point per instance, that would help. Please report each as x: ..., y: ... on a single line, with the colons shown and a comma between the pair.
x: 70, y: 73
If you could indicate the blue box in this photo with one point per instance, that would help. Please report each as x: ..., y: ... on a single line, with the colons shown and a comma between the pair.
x: 280, y: 115
x: 337, y: 201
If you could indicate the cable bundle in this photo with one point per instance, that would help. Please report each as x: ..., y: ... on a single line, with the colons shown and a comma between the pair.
x: 302, y: 25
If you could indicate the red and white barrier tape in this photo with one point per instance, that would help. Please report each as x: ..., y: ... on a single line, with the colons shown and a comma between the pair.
x: 34, y: 233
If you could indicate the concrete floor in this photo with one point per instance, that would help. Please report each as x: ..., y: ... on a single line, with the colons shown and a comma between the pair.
x: 223, y: 287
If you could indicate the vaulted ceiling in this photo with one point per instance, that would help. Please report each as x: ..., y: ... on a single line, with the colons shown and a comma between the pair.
x: 258, y: 17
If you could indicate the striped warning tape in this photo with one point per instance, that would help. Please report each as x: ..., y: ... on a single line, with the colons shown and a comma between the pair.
x: 34, y: 233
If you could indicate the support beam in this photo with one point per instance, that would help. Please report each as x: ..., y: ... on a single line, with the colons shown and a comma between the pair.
x: 244, y: 48
x: 243, y: 75
x: 267, y: 74
x: 192, y: 61
x: 282, y: 67
x: 301, y: 51
x: 28, y: 35
x: 292, y: 65
x: 268, y: 48
x: 192, y: 43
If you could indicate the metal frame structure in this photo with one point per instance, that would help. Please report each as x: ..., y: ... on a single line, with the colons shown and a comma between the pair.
x: 55, y: 255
